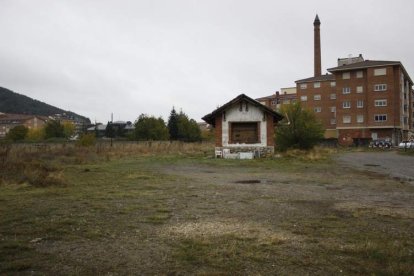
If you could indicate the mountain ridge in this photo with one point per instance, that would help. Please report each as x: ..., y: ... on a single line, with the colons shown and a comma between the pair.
x: 13, y: 102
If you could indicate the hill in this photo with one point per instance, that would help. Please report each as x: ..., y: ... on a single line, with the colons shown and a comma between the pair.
x: 12, y: 102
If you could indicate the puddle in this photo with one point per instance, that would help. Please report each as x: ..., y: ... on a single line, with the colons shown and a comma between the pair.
x: 208, y: 172
x: 250, y: 181
x: 371, y: 165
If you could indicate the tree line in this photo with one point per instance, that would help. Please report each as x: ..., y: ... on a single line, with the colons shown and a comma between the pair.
x: 52, y: 129
x: 299, y: 129
x: 179, y: 127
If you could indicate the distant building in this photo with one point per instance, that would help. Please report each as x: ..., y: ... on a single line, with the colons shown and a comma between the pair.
x: 277, y: 100
x: 9, y: 121
x: 98, y: 129
x: 361, y: 99
x: 80, y: 125
x: 120, y: 128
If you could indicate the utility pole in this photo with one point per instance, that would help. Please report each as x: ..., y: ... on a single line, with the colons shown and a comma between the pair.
x: 112, y: 134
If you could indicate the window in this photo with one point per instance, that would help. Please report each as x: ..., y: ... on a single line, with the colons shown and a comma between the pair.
x: 360, y: 103
x: 303, y: 98
x: 360, y: 118
x: 380, y: 117
x: 317, y: 109
x: 333, y: 96
x: 316, y: 84
x: 405, y: 120
x: 303, y: 86
x: 346, y: 104
x: 359, y: 89
x: 346, y: 75
x: 273, y: 102
x: 359, y: 74
x: 333, y: 108
x: 333, y: 121
x: 317, y: 97
x: 244, y: 133
x: 381, y: 102
x: 380, y: 72
x: 380, y: 87
x: 333, y: 84
x: 346, y: 119
x: 346, y: 90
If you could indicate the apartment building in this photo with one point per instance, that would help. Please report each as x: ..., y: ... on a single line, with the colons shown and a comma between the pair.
x: 359, y: 100
x: 374, y: 100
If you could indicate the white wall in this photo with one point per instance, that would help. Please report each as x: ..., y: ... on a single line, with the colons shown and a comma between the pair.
x: 254, y: 114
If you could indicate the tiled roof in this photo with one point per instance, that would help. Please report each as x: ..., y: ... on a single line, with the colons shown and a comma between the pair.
x: 369, y: 64
x: 19, y: 117
x: 327, y: 77
x: 266, y: 97
x: 210, y: 118
x: 364, y: 64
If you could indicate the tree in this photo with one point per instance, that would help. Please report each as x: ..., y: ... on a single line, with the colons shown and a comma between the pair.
x: 173, y: 125
x: 109, y: 130
x: 36, y: 134
x: 150, y: 128
x: 17, y: 133
x: 182, y: 128
x: 299, y: 129
x: 54, y: 129
x: 68, y: 129
x: 188, y: 129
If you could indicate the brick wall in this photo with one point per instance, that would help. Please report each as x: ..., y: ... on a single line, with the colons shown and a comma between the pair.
x: 270, y: 131
x: 219, y: 130
x: 325, y: 103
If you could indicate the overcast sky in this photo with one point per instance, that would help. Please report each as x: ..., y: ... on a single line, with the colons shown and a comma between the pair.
x: 133, y: 57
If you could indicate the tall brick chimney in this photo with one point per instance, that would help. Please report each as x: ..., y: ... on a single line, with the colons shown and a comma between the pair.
x: 317, y: 47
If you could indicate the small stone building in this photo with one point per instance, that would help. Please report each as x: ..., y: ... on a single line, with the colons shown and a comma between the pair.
x: 243, y: 127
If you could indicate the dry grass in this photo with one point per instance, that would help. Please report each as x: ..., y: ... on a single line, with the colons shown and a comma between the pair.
x: 315, y: 154
x: 41, y: 164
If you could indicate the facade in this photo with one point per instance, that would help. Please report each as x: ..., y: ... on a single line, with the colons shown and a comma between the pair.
x: 360, y: 100
x: 374, y: 101
x: 319, y: 94
x: 244, y: 125
x: 277, y: 100
x: 9, y: 121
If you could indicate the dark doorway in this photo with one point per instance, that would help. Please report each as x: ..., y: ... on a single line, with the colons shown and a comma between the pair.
x: 245, y: 133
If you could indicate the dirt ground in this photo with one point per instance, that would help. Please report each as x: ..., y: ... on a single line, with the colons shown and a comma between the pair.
x: 389, y: 163
x: 180, y: 216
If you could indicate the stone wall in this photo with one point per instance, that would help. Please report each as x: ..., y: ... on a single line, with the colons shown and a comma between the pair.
x: 262, y: 152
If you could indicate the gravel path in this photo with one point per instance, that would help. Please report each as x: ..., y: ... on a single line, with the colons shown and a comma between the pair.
x: 387, y: 162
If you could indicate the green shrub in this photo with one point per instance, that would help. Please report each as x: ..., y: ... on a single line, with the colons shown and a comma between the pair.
x: 17, y: 133
x: 300, y: 128
x: 86, y: 140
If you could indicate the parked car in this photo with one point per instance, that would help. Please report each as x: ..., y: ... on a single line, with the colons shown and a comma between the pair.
x: 381, y: 143
x: 406, y: 145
